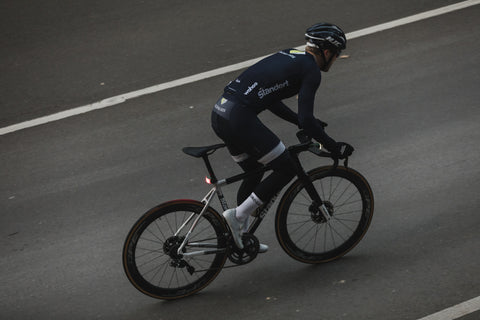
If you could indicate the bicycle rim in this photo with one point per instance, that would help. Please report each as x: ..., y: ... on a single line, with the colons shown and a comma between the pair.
x: 303, y: 231
x: 148, y: 256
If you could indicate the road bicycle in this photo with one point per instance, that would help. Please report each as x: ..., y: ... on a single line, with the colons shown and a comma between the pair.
x: 178, y: 247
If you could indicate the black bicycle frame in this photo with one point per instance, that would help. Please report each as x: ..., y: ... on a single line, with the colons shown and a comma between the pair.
x: 317, y: 204
x: 301, y: 174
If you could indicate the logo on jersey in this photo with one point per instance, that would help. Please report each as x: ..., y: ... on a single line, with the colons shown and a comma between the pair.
x: 262, y: 92
x: 250, y: 88
x: 220, y: 109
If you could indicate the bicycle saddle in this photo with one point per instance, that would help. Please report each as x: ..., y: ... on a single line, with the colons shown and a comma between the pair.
x: 199, y: 152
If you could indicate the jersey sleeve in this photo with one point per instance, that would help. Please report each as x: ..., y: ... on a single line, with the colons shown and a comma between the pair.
x: 307, y: 120
x: 284, y: 112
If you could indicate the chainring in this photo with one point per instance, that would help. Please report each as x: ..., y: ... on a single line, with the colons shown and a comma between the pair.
x: 251, y: 245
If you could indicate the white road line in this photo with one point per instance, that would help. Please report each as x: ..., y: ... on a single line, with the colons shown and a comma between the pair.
x: 456, y: 311
x: 414, y: 18
x: 234, y: 67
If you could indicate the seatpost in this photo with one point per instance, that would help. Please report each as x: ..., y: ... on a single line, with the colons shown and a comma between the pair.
x: 213, y: 178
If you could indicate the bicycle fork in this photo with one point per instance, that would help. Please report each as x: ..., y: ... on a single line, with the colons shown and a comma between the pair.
x: 309, y: 187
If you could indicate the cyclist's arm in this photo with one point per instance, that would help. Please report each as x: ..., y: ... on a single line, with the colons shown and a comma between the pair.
x: 307, y: 120
x: 284, y: 112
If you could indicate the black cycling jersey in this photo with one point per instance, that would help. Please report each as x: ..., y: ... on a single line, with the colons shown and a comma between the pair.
x: 263, y: 86
x: 277, y: 77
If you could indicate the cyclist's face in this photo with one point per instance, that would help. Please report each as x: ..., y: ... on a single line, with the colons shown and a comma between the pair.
x: 330, y: 58
x: 324, y: 61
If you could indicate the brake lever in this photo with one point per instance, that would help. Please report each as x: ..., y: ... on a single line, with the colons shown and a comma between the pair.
x: 335, y: 163
x: 317, y: 149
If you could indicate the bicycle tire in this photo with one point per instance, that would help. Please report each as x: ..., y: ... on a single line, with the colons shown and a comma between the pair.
x: 305, y: 235
x: 147, y: 252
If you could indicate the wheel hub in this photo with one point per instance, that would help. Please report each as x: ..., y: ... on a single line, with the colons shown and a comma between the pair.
x: 317, y: 215
x: 171, y: 246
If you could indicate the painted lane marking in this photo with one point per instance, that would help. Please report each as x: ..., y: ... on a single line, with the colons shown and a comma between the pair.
x: 219, y: 71
x: 456, y: 311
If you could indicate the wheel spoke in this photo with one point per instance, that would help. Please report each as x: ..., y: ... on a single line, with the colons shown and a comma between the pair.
x: 309, y: 236
x: 150, y: 253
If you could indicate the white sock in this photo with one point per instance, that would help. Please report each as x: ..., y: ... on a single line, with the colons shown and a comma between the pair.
x: 247, y: 207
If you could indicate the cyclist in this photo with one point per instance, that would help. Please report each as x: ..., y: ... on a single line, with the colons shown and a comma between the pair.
x: 263, y: 86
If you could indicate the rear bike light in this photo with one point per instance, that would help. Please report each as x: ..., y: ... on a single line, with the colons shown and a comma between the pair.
x: 207, y: 180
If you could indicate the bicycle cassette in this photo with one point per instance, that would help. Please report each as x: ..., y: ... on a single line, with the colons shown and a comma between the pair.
x: 249, y: 251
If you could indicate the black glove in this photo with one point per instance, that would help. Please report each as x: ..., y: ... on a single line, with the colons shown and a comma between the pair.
x: 343, y: 150
x: 321, y: 123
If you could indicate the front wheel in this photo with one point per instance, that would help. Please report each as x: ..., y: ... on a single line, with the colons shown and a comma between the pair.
x: 150, y: 254
x: 309, y: 235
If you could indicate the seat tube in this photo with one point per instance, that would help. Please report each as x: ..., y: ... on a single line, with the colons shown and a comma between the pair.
x: 209, y: 169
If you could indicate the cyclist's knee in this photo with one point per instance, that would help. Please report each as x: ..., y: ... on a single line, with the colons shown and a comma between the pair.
x: 283, y: 164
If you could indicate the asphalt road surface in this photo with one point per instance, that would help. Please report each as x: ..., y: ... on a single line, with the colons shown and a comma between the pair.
x: 407, y: 98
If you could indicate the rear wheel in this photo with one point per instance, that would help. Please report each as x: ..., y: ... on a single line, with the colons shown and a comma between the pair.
x: 303, y: 230
x: 150, y: 255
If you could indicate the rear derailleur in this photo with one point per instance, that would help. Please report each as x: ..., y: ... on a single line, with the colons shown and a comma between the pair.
x: 170, y: 247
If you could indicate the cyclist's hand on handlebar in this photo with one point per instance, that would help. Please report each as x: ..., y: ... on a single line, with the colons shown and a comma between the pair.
x: 321, y: 123
x: 303, y: 136
x: 343, y: 150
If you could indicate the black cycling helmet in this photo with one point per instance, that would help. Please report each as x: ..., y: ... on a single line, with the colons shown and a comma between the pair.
x: 326, y: 36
